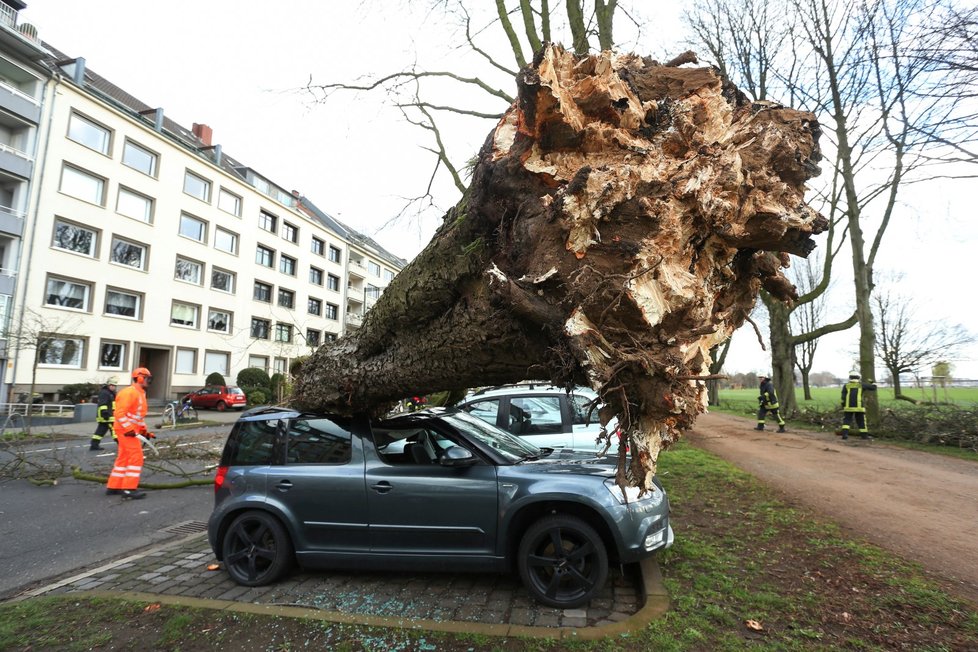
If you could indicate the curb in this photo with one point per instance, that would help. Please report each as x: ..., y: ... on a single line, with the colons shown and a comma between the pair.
x: 653, y: 590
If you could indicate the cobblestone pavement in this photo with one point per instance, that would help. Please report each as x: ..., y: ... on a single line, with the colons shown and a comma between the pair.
x: 179, y: 570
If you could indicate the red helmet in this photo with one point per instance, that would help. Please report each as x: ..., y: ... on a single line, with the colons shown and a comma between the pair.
x: 142, y: 372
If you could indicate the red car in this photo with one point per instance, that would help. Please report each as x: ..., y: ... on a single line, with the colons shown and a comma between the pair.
x: 218, y: 397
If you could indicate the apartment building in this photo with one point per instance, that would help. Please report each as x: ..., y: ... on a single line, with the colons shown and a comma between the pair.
x: 145, y: 244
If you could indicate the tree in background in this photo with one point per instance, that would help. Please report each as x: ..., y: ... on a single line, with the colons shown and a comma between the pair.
x: 857, y: 66
x: 907, y: 344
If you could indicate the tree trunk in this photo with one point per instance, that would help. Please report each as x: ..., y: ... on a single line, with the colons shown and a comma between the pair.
x: 619, y: 223
x: 782, y: 353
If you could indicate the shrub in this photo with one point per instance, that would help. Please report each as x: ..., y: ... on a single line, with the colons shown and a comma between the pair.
x: 78, y: 392
x: 257, y: 397
x: 215, y: 378
x: 254, y: 378
x: 277, y: 386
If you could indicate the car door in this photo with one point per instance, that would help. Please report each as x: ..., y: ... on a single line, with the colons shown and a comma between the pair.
x: 430, y: 509
x: 321, y: 486
x: 539, y: 419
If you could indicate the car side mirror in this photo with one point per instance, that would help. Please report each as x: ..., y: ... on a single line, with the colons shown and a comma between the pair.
x: 457, y: 456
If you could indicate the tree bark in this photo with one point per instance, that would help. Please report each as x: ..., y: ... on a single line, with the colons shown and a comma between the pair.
x: 620, y: 221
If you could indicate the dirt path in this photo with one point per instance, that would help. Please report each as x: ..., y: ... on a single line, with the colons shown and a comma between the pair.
x: 921, y: 506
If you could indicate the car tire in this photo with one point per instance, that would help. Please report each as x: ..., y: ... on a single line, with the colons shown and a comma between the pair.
x: 257, y: 549
x: 562, y: 561
x: 221, y: 406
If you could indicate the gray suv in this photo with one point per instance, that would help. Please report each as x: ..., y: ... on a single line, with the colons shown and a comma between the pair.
x: 437, y: 489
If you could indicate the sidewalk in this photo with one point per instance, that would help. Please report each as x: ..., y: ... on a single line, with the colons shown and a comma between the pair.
x: 496, y: 605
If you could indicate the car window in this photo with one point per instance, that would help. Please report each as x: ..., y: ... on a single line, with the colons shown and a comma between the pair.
x: 511, y: 448
x: 583, y: 407
x: 539, y: 415
x: 409, y: 445
x: 485, y: 409
x: 252, y: 443
x: 235, y: 390
x: 318, y: 441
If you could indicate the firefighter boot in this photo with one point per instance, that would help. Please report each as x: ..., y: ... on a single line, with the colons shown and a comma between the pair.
x: 781, y: 428
x: 94, y: 446
x: 133, y: 494
x: 759, y: 426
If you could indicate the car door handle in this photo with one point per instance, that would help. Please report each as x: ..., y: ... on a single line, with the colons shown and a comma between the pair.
x: 283, y: 485
x: 382, y: 487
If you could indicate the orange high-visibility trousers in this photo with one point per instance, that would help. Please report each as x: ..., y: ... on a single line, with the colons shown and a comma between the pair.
x: 128, y: 464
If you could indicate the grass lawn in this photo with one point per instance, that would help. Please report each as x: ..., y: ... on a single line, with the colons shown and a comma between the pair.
x: 741, y: 555
x: 829, y: 397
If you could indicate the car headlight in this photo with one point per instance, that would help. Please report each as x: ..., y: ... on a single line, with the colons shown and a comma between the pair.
x: 631, y: 494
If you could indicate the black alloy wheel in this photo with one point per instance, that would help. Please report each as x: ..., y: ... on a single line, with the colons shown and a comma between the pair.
x: 257, y: 550
x: 221, y: 406
x: 562, y: 561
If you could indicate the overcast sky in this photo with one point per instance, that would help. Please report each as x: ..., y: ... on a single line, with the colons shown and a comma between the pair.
x: 239, y: 67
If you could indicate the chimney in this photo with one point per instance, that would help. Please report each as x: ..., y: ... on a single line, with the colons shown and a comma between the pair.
x: 78, y: 74
x: 204, y: 133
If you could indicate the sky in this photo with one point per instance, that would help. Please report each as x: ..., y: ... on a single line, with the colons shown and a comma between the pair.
x: 242, y: 67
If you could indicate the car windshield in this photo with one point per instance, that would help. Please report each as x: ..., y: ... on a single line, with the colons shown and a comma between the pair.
x: 235, y: 390
x: 512, y: 448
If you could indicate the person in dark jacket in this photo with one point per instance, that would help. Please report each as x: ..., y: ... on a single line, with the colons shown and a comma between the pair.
x: 103, y: 414
x: 768, y: 402
x: 853, y: 409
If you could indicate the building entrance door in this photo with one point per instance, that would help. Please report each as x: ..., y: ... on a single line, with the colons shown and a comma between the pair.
x: 157, y: 360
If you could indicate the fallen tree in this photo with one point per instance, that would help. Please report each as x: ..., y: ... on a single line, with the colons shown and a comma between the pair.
x: 620, y: 221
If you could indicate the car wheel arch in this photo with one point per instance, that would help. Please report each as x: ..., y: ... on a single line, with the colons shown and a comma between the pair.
x: 514, y: 528
x: 228, y: 518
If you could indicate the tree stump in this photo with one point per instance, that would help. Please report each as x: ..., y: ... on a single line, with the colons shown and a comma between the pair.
x: 620, y: 221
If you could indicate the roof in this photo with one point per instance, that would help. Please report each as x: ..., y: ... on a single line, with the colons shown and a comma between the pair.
x: 346, y: 232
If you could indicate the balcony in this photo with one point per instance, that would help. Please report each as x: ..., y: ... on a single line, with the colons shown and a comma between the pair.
x: 11, y: 222
x: 354, y: 319
x: 356, y: 268
x: 15, y: 162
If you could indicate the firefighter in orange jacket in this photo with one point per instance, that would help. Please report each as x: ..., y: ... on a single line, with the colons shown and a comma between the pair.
x: 130, y: 421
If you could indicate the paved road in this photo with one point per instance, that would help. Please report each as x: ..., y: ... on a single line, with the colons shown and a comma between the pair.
x: 46, y: 532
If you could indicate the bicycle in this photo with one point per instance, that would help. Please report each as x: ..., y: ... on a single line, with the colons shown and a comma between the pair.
x: 177, y: 411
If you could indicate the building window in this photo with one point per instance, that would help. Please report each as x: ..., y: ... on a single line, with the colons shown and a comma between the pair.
x: 61, y: 351
x: 186, y: 361
x: 267, y: 221
x: 63, y: 293
x: 372, y: 292
x: 196, y: 186
x: 128, y: 253
x: 281, y: 365
x: 216, y: 362
x: 333, y: 283
x: 229, y: 202
x: 139, y: 158
x: 334, y: 254
x: 318, y: 246
x: 112, y: 355
x: 258, y: 361
x: 373, y: 268
x: 72, y: 237
x: 259, y: 330
x: 82, y: 185
x: 134, y: 205
x: 286, y: 265
x: 189, y: 271
x: 332, y: 311
x: 313, y: 337
x: 315, y: 306
x: 184, y: 314
x: 265, y: 256
x: 219, y: 320
x: 388, y: 276
x: 315, y: 276
x: 283, y: 333
x: 222, y: 280
x: 286, y: 298
x: 290, y: 232
x: 87, y: 133
x: 193, y: 228
x: 123, y: 304
x: 263, y: 292
x: 225, y: 240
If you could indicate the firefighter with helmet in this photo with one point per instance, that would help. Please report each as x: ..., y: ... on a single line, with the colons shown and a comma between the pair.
x: 104, y: 416
x: 768, y: 402
x: 853, y: 409
x: 130, y: 429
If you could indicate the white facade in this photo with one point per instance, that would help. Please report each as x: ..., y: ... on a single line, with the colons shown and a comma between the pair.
x: 140, y: 250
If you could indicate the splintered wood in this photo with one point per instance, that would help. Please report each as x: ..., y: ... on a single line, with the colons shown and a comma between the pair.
x: 620, y: 221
